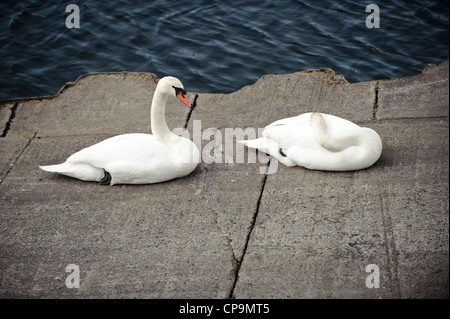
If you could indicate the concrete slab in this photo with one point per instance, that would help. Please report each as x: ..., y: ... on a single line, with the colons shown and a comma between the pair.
x: 423, y: 95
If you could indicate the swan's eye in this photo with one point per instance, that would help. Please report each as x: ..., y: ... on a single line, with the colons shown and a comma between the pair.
x: 179, y: 90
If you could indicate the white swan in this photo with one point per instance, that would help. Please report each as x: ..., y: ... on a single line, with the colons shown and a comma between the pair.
x: 137, y: 158
x: 319, y: 142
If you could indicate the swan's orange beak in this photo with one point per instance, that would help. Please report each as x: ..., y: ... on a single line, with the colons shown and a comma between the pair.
x: 183, y: 98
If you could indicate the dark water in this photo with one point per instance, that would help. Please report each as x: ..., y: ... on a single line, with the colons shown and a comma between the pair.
x: 215, y: 46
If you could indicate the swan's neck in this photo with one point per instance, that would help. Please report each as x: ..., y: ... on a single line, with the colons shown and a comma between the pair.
x: 332, y: 143
x: 158, y: 117
x: 341, y: 142
x: 363, y: 137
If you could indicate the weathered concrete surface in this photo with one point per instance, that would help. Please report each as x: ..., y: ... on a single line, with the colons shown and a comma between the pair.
x: 226, y: 230
x: 424, y: 95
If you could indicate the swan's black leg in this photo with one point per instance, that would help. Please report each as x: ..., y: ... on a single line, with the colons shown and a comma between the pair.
x: 106, y: 179
x: 282, y: 153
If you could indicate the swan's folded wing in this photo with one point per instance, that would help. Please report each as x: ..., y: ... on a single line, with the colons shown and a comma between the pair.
x: 128, y: 172
x: 296, y: 120
x: 127, y: 147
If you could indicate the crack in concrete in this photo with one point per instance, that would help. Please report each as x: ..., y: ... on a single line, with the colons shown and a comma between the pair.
x: 391, y: 252
x: 17, y: 158
x: 10, y: 120
x: 252, y: 226
x: 193, y: 105
x: 375, y: 100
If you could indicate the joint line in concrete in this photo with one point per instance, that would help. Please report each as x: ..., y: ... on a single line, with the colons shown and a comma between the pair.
x: 375, y: 102
x: 11, y: 118
x: 194, y: 104
x: 239, y: 264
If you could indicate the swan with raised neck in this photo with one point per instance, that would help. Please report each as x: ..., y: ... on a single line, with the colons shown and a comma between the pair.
x: 166, y: 87
x: 137, y: 158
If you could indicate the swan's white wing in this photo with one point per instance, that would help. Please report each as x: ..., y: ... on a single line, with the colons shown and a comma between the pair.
x: 296, y: 120
x: 297, y: 131
x: 294, y: 131
x: 137, y: 147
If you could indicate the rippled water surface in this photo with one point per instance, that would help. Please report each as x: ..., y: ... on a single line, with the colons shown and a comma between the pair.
x: 215, y: 46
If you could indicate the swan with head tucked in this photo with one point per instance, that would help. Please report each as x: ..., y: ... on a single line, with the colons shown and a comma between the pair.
x: 319, y: 142
x: 137, y: 158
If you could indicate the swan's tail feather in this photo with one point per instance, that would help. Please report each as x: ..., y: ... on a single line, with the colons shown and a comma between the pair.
x: 59, y: 168
x: 84, y: 172
x: 259, y: 143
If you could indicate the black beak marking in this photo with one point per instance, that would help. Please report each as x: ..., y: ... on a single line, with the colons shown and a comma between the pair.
x: 178, y: 90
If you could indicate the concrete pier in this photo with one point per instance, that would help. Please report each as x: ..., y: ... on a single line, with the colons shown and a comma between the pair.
x: 226, y: 230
